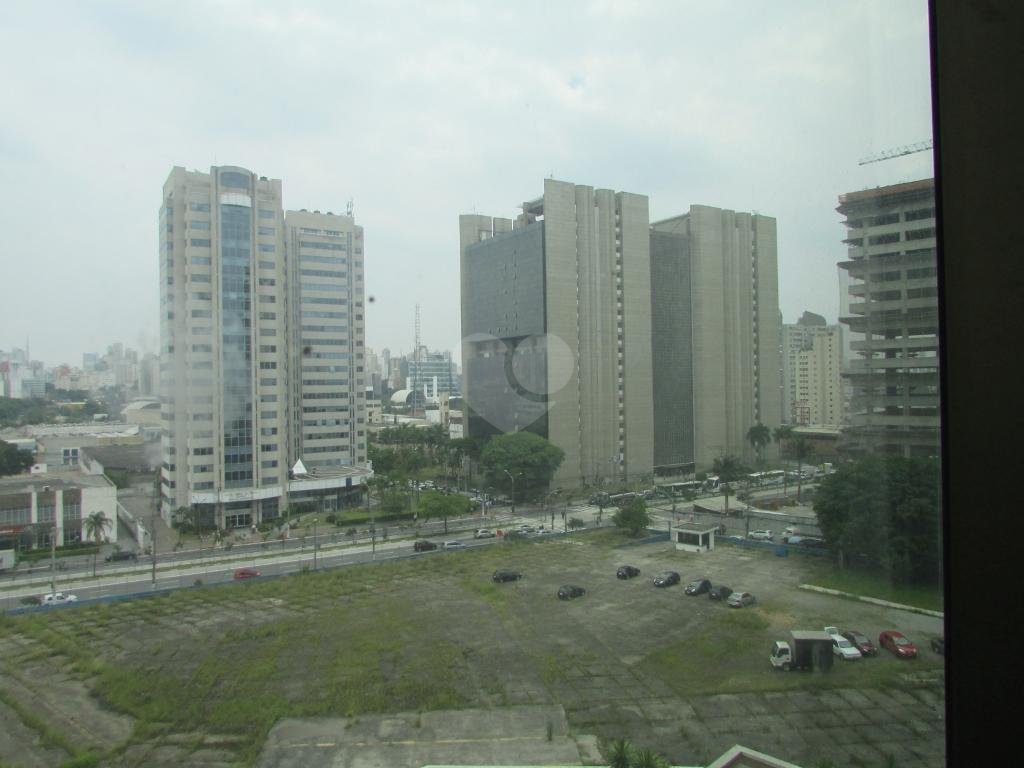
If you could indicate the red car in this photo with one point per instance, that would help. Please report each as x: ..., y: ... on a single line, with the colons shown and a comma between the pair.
x: 896, y: 643
x: 246, y: 573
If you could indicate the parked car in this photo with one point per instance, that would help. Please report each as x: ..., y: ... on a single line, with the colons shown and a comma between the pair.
x: 842, y: 647
x: 939, y: 645
x: 721, y: 592
x: 627, y: 572
x: 524, y: 528
x: 666, y: 579
x: 861, y: 642
x: 483, y: 533
x: 698, y: 587
x: 453, y: 545
x: 570, y: 591
x: 118, y: 557
x: 502, y: 576
x: 58, y: 598
x: 246, y: 573
x: 424, y: 546
x: 740, y: 599
x: 760, y: 535
x: 897, y: 644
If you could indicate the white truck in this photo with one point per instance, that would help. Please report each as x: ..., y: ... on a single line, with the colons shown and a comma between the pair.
x: 8, y: 559
x: 805, y: 649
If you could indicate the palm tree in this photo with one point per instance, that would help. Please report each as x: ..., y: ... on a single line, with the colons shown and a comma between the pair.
x: 801, y: 451
x: 783, y: 433
x: 95, y: 524
x: 620, y: 754
x: 759, y: 436
x: 729, y: 469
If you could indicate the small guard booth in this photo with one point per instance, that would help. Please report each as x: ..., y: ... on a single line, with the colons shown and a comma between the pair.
x: 694, y: 538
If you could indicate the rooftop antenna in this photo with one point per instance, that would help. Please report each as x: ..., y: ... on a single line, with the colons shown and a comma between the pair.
x: 888, y: 154
x: 348, y: 207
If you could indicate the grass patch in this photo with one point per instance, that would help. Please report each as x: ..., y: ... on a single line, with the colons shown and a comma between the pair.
x: 870, y: 585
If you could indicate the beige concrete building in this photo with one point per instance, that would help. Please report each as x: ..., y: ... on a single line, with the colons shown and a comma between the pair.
x: 34, y: 506
x: 811, y: 388
x: 893, y: 317
x: 732, y: 380
x: 556, y: 321
x: 261, y: 349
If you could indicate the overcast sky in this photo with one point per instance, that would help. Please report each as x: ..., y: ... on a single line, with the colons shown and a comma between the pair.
x: 421, y: 111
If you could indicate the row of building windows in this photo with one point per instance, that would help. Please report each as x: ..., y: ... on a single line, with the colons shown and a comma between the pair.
x: 322, y: 246
x: 329, y: 287
x: 341, y: 275
x: 325, y: 382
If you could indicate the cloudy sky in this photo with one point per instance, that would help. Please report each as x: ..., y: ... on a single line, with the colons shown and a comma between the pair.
x: 421, y: 111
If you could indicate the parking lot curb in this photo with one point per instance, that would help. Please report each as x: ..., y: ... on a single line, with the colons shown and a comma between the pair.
x: 873, y: 600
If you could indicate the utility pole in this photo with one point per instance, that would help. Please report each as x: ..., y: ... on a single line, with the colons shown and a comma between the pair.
x: 53, y: 559
x: 152, y: 544
x: 316, y: 540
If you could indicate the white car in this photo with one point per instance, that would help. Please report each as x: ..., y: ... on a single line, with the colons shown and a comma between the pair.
x: 760, y: 535
x: 452, y: 545
x: 483, y: 533
x: 842, y: 647
x: 58, y: 598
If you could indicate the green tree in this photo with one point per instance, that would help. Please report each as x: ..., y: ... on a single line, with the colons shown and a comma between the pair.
x: 95, y: 524
x: 528, y: 457
x: 632, y: 516
x: 437, y: 505
x: 620, y: 753
x: 729, y: 470
x: 883, y: 513
x: 13, y: 460
x: 759, y: 436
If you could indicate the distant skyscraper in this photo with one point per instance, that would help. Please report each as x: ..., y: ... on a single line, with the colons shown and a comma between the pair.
x: 811, y: 389
x: 716, y: 333
x: 556, y: 321
x: 261, y: 350
x: 893, y: 319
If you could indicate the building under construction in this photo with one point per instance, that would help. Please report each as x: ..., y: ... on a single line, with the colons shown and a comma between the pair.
x: 893, y: 319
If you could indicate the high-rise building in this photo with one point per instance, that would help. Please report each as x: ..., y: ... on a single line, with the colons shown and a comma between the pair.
x: 435, y: 371
x: 716, y: 330
x: 261, y: 350
x: 556, y: 324
x: 893, y: 319
x: 812, y: 364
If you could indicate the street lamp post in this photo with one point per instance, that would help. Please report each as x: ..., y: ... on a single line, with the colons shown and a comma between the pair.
x: 316, y: 541
x: 53, y: 559
x: 513, y: 479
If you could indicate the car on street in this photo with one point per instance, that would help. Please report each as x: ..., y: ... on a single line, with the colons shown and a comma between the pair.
x: 502, y: 576
x: 897, y: 644
x: 570, y: 591
x: 120, y: 557
x: 524, y: 528
x: 861, y: 643
x: 58, y: 598
x: 740, y: 599
x: 453, y: 545
x: 760, y: 535
x: 424, y: 546
x: 698, y: 587
x: 483, y: 533
x: 246, y: 573
x: 721, y: 592
x: 627, y: 572
x: 842, y: 647
x: 666, y: 579
x: 939, y: 645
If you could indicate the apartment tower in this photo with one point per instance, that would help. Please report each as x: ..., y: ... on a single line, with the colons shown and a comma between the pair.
x: 556, y: 323
x: 811, y: 390
x: 893, y: 319
x: 261, y: 351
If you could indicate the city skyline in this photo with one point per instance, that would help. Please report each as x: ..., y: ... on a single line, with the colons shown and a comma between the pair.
x: 592, y: 95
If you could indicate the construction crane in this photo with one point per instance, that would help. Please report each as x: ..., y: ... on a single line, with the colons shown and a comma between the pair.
x: 909, y: 149
x: 417, y: 360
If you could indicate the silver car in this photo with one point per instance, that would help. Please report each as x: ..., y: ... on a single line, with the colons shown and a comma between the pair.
x: 740, y: 599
